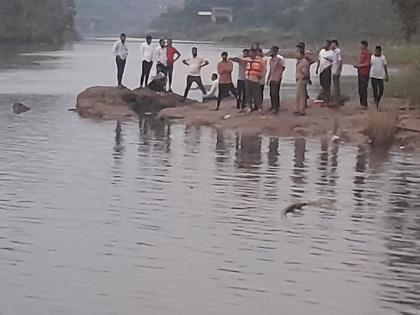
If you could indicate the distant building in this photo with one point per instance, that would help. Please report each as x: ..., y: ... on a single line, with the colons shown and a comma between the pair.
x: 219, y: 14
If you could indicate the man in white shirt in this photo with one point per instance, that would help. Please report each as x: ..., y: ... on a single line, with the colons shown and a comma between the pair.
x: 337, y: 67
x: 120, y: 52
x: 195, y: 64
x: 324, y: 69
x: 147, y: 55
x: 378, y: 73
x: 213, y: 93
x: 161, y: 59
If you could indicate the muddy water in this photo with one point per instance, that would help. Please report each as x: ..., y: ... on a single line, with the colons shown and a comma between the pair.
x: 171, y: 219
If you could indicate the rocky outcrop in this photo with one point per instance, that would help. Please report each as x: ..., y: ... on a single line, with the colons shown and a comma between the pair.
x: 19, y: 108
x: 110, y: 103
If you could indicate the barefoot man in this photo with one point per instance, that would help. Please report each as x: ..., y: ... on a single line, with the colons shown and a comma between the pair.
x: 302, y: 80
x: 225, y: 68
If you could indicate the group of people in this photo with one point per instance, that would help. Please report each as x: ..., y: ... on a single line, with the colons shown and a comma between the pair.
x: 330, y: 65
x: 255, y: 70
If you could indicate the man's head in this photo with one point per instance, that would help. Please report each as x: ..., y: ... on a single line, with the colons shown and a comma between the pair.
x: 274, y: 51
x: 214, y: 77
x: 149, y: 39
x: 300, y: 53
x: 169, y: 42
x: 378, y: 50
x: 224, y: 56
x: 162, y: 43
x: 255, y: 46
x: 194, y: 51
x: 253, y: 53
x: 123, y: 38
x: 364, y: 45
x: 334, y: 44
x: 301, y: 45
x: 327, y: 44
x: 245, y: 53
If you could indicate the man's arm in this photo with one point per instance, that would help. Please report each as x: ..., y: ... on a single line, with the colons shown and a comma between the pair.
x: 205, y: 63
x: 185, y: 62
x: 236, y: 59
x: 178, y: 55
x: 114, y: 49
x: 141, y: 51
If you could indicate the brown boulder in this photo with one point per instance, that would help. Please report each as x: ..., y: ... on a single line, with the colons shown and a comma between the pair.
x: 106, y: 103
x: 115, y: 103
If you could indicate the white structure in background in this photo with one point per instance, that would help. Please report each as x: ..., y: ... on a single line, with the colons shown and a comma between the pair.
x: 219, y: 14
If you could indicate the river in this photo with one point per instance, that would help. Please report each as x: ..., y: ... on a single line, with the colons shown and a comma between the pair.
x: 174, y: 219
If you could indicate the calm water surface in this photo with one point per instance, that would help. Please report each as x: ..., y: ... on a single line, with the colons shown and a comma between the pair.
x: 172, y: 219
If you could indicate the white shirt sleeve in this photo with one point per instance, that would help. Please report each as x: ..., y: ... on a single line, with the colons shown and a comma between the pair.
x: 115, y: 48
x: 142, y: 51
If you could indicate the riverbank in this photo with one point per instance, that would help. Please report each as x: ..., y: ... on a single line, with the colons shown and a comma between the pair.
x: 351, y: 124
x: 394, y: 124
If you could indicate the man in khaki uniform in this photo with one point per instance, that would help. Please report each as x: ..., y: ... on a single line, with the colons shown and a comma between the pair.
x: 302, y: 80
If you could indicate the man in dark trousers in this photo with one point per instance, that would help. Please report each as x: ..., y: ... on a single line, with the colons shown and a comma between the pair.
x: 195, y: 64
x: 363, y: 69
x: 120, y: 52
x: 225, y: 68
x: 147, y: 54
x: 277, y: 66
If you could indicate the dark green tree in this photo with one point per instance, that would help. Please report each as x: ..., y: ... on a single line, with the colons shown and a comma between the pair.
x: 409, y: 14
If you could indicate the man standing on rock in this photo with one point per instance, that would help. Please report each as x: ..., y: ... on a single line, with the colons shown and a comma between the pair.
x: 302, y: 79
x: 363, y: 70
x: 120, y: 52
x: 171, y: 59
x: 195, y: 65
x: 277, y: 66
x: 337, y: 67
x: 241, y: 78
x: 147, y: 55
x: 225, y: 68
x: 160, y: 58
x: 255, y: 70
x: 324, y: 69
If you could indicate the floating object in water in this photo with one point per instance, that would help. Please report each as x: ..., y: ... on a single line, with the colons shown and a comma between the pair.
x: 335, y: 139
x: 226, y: 116
x: 323, y: 203
x: 294, y: 207
x: 19, y: 108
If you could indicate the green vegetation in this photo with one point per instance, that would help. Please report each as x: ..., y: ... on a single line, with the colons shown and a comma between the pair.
x: 312, y: 20
x: 110, y: 17
x: 37, y: 21
x: 409, y: 13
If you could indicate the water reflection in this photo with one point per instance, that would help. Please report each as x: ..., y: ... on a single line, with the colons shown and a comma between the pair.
x: 299, y: 169
x: 199, y: 210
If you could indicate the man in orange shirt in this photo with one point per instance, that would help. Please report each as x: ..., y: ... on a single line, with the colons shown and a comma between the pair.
x: 225, y: 68
x: 255, y: 69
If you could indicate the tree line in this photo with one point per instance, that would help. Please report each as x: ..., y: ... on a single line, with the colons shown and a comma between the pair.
x: 309, y: 19
x: 37, y: 21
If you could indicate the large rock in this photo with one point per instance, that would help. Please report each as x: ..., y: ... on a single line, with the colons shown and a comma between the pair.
x: 19, y: 108
x: 106, y: 103
x: 116, y: 103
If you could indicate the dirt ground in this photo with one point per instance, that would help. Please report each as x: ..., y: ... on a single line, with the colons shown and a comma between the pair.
x: 349, y: 123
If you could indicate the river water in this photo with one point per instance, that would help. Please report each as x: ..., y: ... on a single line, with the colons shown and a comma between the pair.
x: 173, y: 219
